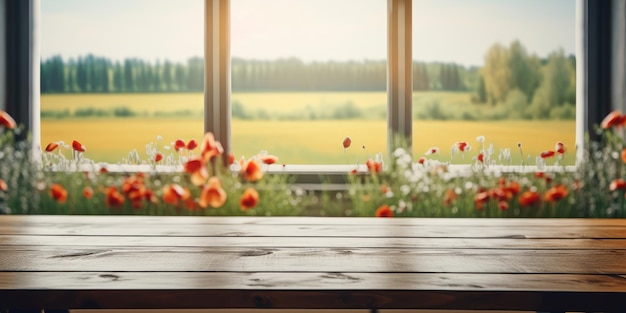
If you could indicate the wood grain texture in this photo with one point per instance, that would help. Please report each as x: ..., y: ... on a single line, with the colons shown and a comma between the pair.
x: 312, y: 263
x: 233, y: 259
x: 96, y: 242
x: 380, y: 230
x: 362, y: 221
x: 314, y: 291
x: 311, y: 281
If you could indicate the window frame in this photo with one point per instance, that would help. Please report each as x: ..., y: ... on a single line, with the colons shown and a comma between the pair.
x: 600, y: 47
x: 399, y: 79
x: 217, y: 87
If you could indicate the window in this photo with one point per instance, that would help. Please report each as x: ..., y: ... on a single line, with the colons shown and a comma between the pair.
x: 307, y: 75
x: 132, y: 71
x: 595, y: 65
x: 481, y: 68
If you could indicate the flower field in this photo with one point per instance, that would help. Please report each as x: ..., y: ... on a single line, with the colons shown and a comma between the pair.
x: 196, y: 181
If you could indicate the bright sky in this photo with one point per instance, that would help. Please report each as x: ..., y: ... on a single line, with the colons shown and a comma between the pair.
x: 458, y: 31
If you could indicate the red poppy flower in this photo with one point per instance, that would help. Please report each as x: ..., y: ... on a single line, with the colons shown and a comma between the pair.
x: 113, y: 198
x: 3, y: 185
x: 559, y: 147
x: 528, y: 198
x: 212, y: 194
x: 173, y: 193
x: 210, y: 148
x: 555, y: 193
x: 623, y: 155
x: 150, y: 196
x: 462, y: 146
x: 268, y: 158
x: 612, y: 119
x: 384, y: 189
x: 354, y: 171
x: 501, y: 193
x: 421, y: 160
x: 513, y: 187
x: 448, y: 197
x: 179, y: 144
x: 251, y: 171
x: 77, y: 146
x: 346, y: 142
x: 231, y: 158
x: 194, y: 164
x: 191, y: 204
x: 158, y: 157
x: 547, y: 154
x: 6, y: 120
x: 481, y: 198
x: 249, y: 199
x: 103, y: 170
x: 503, y: 205
x: 87, y: 192
x: 192, y: 144
x: 58, y: 193
x: 134, y: 188
x: 481, y: 157
x: 373, y: 166
x: 384, y: 211
x: 618, y: 184
x: 51, y: 146
x: 432, y: 150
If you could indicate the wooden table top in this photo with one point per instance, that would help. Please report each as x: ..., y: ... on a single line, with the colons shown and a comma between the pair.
x: 312, y: 263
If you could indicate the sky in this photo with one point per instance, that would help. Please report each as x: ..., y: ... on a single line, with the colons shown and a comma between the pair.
x: 457, y: 31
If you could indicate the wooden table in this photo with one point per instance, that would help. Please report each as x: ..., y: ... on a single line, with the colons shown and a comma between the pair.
x: 312, y: 263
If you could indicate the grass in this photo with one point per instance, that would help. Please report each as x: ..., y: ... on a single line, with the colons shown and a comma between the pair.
x: 295, y: 142
x: 317, y: 142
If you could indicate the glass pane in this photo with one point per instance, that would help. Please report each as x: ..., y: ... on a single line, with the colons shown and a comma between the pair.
x: 307, y: 74
x: 116, y: 74
x: 504, y: 70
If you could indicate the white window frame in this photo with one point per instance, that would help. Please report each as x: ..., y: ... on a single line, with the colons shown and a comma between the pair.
x: 399, y: 81
x: 217, y: 86
x: 600, y: 80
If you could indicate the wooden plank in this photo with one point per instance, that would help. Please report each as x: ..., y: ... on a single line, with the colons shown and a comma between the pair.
x: 96, y: 242
x: 311, y: 281
x: 218, y: 230
x: 241, y: 220
x: 233, y: 259
x: 313, y: 291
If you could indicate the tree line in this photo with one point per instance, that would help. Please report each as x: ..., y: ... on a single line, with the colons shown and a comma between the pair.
x: 92, y: 74
x: 517, y: 83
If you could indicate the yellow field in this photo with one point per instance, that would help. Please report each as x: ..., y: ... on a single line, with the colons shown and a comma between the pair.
x: 280, y: 102
x: 148, y: 103
x: 316, y: 142
x: 295, y: 142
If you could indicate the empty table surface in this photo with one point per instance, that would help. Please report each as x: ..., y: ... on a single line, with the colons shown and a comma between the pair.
x: 312, y: 263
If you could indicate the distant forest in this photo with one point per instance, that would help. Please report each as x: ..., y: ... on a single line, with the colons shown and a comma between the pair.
x: 93, y: 74
x: 518, y: 83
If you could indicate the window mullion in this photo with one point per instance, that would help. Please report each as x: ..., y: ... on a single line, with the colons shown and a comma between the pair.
x: 217, y: 86
x: 399, y: 73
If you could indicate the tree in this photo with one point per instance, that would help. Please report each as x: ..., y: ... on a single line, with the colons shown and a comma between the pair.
x: 167, y: 75
x: 557, y: 88
x: 496, y: 73
x: 81, y: 75
x: 481, y: 91
x: 129, y: 79
x: 118, y: 78
x: 525, y: 70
